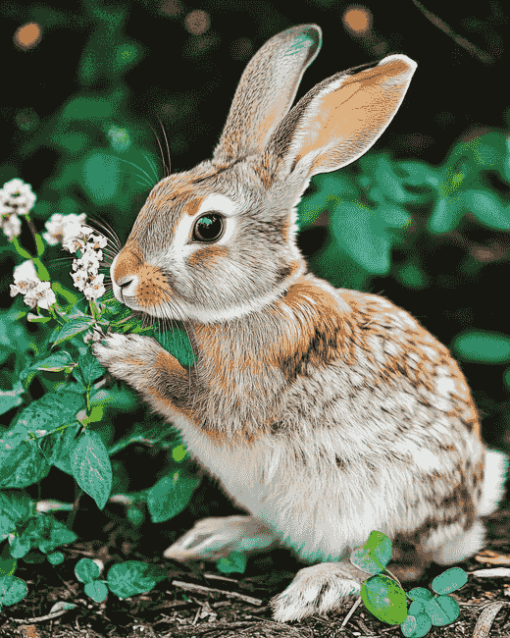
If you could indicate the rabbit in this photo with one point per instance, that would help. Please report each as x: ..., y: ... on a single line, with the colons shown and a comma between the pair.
x: 325, y: 413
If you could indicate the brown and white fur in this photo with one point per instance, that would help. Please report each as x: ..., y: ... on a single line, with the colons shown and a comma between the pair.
x: 326, y: 413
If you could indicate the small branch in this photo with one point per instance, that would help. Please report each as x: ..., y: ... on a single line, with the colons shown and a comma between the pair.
x: 55, y: 614
x: 208, y: 590
x: 483, y: 56
x: 351, y: 611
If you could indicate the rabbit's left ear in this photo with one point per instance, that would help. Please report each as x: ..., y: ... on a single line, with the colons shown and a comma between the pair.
x: 340, y: 118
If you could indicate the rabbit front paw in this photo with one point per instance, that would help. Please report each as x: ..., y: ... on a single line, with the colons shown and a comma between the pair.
x: 317, y: 590
x: 127, y: 357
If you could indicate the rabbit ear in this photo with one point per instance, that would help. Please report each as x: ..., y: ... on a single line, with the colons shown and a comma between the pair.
x: 341, y: 117
x: 266, y: 91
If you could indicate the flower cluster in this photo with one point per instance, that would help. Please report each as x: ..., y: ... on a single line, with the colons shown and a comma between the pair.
x: 63, y: 228
x: 74, y: 235
x: 35, y: 292
x: 16, y: 198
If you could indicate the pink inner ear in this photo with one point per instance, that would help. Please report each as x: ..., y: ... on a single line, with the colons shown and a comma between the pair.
x: 351, y: 112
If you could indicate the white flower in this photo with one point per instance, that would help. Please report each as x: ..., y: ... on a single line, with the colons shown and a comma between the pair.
x: 62, y: 227
x: 17, y: 197
x: 26, y: 272
x: 97, y: 242
x: 73, y: 244
x: 80, y: 279
x: 95, y: 289
x: 35, y: 291
x: 88, y: 262
x: 42, y: 295
x: 11, y: 225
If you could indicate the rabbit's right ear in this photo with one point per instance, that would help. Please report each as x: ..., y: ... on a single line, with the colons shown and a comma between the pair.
x: 266, y: 91
x: 339, y: 119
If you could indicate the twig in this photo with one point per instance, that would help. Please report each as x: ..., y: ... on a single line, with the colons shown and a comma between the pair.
x: 351, y: 611
x: 207, y: 590
x: 217, y: 577
x: 55, y: 614
x: 483, y: 56
x: 485, y: 620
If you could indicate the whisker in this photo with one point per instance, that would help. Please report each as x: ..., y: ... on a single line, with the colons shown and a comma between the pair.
x: 152, y: 166
x: 166, y: 169
x: 167, y: 146
x: 106, y: 228
x: 140, y: 169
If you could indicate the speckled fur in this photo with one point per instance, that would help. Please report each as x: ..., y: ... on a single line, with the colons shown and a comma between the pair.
x: 325, y: 413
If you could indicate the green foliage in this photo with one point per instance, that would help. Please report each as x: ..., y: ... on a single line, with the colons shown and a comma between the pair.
x: 12, y: 590
x: 482, y: 346
x: 134, y: 577
x: 124, y: 579
x: 386, y: 600
x: 170, y: 495
x: 235, y: 562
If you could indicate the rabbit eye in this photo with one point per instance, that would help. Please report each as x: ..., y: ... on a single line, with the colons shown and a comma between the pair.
x: 209, y: 227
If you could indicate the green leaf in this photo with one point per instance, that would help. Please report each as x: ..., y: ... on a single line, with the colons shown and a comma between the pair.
x: 235, y: 562
x: 58, y: 447
x: 170, y: 496
x: 92, y: 468
x: 416, y: 626
x: 37, y: 318
x: 11, y: 398
x: 53, y: 363
x: 442, y: 610
x: 482, y: 346
x: 420, y: 594
x: 86, y: 570
x: 487, y: 208
x: 90, y: 367
x: 16, y: 507
x: 47, y: 533
x: 12, y: 590
x: 450, y: 580
x: 21, y: 546
x: 385, y: 599
x: 22, y: 465
x: 55, y: 558
x: 51, y: 411
x: 374, y: 555
x: 96, y: 590
x: 363, y: 233
x: 71, y: 329
x: 7, y: 562
x: 134, y: 577
x: 34, y: 558
x: 179, y: 453
x: 445, y: 216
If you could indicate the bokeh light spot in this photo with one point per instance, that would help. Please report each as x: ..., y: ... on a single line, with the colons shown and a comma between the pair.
x: 197, y: 22
x: 357, y: 20
x: 119, y: 138
x: 28, y: 36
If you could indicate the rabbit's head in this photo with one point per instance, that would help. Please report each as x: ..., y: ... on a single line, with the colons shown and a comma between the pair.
x: 219, y: 241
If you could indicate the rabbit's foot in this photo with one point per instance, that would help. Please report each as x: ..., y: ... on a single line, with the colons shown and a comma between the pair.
x: 317, y: 590
x: 127, y: 356
x: 214, y: 538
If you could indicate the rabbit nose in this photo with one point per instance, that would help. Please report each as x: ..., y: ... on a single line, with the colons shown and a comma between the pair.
x: 123, y: 282
x: 124, y: 287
